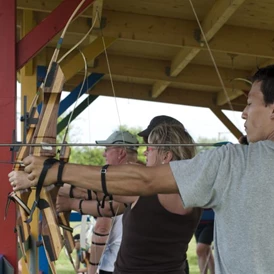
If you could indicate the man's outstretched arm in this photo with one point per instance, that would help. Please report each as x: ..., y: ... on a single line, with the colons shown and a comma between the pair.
x: 120, y: 180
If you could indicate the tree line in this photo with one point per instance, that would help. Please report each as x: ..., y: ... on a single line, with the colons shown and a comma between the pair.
x: 94, y: 155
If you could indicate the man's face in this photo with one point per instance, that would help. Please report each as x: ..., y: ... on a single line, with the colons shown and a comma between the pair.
x: 259, y: 117
x: 77, y: 245
x: 112, y: 155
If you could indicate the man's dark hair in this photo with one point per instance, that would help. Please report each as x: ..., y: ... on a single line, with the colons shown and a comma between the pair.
x: 266, y: 77
x: 76, y: 237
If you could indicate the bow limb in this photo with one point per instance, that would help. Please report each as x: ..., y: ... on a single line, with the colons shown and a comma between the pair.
x: 45, y: 133
x: 63, y: 217
x: 25, y: 239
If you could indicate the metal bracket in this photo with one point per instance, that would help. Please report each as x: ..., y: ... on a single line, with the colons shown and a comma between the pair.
x: 14, y: 149
x: 167, y: 71
x: 27, y: 119
x: 198, y: 37
x: 103, y: 23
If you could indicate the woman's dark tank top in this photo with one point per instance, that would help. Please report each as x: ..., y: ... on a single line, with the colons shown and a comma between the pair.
x: 154, y: 240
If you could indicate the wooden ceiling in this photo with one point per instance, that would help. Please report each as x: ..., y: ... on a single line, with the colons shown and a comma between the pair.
x: 156, y: 50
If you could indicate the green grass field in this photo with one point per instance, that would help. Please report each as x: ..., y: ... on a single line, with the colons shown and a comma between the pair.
x: 63, y: 265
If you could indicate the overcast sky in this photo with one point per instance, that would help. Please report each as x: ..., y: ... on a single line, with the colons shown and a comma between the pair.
x: 105, y: 115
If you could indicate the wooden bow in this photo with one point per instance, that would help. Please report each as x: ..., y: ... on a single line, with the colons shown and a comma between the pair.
x: 45, y: 133
x: 20, y: 198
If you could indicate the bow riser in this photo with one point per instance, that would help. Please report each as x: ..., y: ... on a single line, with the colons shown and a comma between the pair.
x: 51, y: 234
x: 47, y: 131
x: 67, y: 233
x: 63, y: 218
x: 22, y: 228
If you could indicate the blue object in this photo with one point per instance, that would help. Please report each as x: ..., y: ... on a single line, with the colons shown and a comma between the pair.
x: 208, y: 215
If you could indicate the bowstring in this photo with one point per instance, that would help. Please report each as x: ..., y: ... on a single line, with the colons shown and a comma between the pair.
x: 78, y: 96
x: 85, y: 71
x: 211, y: 55
x: 110, y: 77
x: 119, y: 120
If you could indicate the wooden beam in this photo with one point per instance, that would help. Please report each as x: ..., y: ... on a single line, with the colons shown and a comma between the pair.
x: 78, y: 110
x: 264, y: 64
x: 182, y: 59
x: 96, y: 15
x: 152, y: 71
x: 171, y: 95
x: 158, y: 88
x: 219, y: 14
x: 225, y: 98
x: 46, y: 6
x: 36, y: 39
x: 76, y: 63
x: 97, y: 11
x: 223, y: 118
x: 178, y: 33
x: 27, y: 25
x: 169, y: 31
x: 34, y: 5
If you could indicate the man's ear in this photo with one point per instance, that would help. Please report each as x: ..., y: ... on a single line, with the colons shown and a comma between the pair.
x: 122, y: 153
x: 272, y: 113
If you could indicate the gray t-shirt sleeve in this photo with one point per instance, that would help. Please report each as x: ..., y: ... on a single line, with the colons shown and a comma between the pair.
x: 203, y: 179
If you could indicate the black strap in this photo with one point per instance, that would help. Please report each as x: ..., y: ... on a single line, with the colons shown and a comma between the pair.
x: 103, y: 201
x: 99, y: 234
x: 103, y: 179
x: 111, y: 205
x: 71, y: 191
x: 80, y: 207
x: 89, y: 194
x: 98, y: 209
x: 98, y: 204
x: 67, y: 228
x: 47, y: 165
x: 93, y: 263
x: 60, y: 173
x: 94, y: 243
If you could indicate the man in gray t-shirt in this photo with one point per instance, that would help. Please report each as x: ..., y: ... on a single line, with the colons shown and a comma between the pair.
x: 241, y: 194
x: 235, y: 180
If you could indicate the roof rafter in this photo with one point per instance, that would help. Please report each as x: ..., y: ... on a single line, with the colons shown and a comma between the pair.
x: 172, y: 95
x: 223, y: 118
x: 177, y: 33
x: 152, y: 71
x: 220, y: 12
